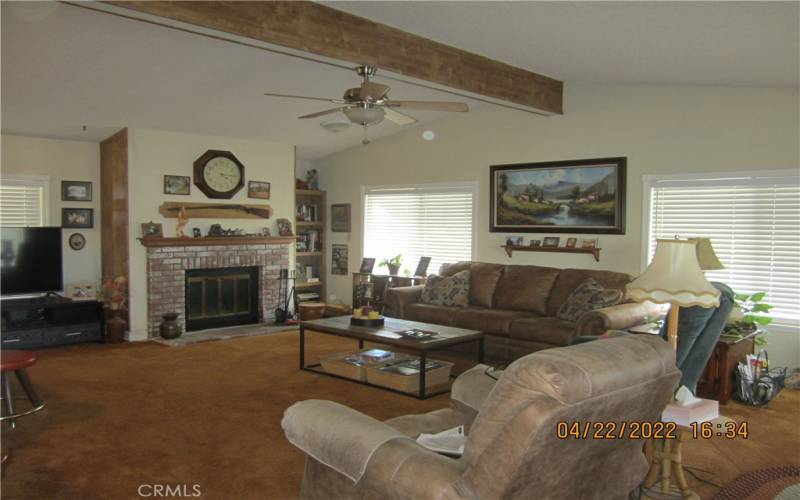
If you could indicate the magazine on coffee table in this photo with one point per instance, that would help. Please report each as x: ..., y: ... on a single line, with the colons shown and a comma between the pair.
x: 416, y: 333
x: 410, y: 367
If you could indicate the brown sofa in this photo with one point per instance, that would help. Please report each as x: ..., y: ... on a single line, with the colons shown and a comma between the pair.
x: 516, y: 307
x: 513, y: 449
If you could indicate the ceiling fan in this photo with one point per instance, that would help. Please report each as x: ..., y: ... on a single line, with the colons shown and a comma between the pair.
x: 369, y: 104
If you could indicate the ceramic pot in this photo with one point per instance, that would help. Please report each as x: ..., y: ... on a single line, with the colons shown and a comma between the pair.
x: 115, y: 330
x: 170, y: 328
x: 393, y: 269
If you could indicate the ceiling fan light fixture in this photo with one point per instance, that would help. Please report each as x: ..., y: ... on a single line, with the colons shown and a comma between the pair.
x: 336, y: 125
x: 364, y: 116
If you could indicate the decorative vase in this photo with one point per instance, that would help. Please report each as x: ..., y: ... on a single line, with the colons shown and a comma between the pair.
x: 170, y: 328
x: 115, y: 330
x: 393, y: 269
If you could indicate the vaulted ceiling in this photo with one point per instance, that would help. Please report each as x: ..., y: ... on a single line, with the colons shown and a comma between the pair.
x: 68, y: 66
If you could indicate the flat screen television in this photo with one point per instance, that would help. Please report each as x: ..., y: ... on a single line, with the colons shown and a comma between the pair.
x: 30, y: 260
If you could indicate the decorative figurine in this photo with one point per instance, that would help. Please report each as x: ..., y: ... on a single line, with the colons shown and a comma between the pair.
x: 196, y: 232
x: 312, y: 179
x: 183, y: 221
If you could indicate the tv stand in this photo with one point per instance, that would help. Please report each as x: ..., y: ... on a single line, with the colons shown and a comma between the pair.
x: 50, y: 321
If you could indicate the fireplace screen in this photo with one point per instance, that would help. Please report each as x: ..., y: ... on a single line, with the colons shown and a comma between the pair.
x: 221, y: 297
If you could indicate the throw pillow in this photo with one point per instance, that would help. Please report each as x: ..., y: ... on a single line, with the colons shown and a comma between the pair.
x: 447, y: 290
x: 588, y: 296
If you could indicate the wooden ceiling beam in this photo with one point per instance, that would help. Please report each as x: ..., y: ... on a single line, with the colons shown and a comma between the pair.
x: 321, y: 30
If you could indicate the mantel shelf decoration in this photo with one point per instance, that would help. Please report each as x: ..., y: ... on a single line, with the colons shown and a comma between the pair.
x: 216, y: 240
x: 212, y: 210
x: 510, y: 249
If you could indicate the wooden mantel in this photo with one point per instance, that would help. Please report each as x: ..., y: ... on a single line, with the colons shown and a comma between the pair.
x: 318, y: 29
x: 220, y: 240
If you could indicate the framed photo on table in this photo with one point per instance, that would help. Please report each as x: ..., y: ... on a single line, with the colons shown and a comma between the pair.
x: 367, y: 264
x: 574, y: 196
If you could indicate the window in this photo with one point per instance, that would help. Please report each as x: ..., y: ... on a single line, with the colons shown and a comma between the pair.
x: 753, y: 222
x: 23, y: 201
x: 432, y: 221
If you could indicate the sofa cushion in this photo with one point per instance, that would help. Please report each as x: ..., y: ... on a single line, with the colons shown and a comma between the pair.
x: 494, y: 321
x: 546, y: 330
x: 447, y: 290
x: 525, y: 288
x: 569, y: 279
x: 451, y: 269
x: 426, y: 313
x: 482, y: 283
x: 589, y: 295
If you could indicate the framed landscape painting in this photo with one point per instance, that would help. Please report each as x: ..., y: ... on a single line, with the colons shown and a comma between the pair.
x: 577, y: 196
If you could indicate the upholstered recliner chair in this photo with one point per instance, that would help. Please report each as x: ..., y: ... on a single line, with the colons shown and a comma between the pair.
x: 512, y: 449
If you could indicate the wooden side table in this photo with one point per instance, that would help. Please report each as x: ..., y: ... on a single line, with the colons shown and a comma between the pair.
x: 718, y: 381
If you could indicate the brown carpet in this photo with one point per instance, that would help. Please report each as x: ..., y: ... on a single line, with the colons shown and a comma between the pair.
x: 118, y: 417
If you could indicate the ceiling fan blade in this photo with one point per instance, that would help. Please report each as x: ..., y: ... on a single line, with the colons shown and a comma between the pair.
x: 336, y: 101
x: 398, y: 117
x: 373, y: 91
x: 431, y: 105
x: 322, y: 113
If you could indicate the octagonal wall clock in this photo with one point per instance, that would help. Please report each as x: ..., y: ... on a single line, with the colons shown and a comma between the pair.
x: 218, y: 174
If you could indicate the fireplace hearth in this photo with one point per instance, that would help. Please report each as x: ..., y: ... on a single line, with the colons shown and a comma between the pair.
x: 221, y: 297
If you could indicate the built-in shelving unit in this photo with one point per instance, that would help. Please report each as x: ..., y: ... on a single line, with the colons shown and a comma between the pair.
x: 510, y: 249
x: 311, y: 240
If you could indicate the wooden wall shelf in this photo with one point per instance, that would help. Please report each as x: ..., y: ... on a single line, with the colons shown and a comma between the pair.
x: 510, y: 249
x: 218, y: 240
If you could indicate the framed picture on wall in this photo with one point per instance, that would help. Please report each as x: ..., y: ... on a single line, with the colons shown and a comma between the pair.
x: 177, y: 184
x: 77, y: 217
x: 76, y: 191
x: 258, y: 189
x: 340, y: 217
x: 339, y: 260
x: 575, y: 196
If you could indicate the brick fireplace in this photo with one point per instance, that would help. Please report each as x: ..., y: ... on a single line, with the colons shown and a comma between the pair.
x: 168, y: 259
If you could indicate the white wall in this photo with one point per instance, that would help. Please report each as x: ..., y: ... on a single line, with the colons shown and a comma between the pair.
x: 62, y: 160
x: 153, y: 153
x: 660, y: 129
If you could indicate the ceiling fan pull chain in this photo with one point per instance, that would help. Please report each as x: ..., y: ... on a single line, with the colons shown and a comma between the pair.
x: 365, y: 141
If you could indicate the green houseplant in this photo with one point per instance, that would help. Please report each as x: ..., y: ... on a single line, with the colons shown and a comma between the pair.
x: 393, y: 264
x: 749, y: 314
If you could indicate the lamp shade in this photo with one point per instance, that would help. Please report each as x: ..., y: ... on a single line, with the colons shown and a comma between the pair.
x: 674, y: 277
x: 706, y: 256
x: 364, y: 115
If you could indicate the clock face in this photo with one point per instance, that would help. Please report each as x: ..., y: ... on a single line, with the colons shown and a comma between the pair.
x: 221, y: 174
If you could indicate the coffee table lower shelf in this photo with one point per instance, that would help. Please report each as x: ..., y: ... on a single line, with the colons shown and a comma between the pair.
x: 429, y: 392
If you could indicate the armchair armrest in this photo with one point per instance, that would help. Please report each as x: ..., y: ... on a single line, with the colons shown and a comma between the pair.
x: 618, y: 317
x: 396, y: 299
x: 335, y: 435
x: 472, y: 387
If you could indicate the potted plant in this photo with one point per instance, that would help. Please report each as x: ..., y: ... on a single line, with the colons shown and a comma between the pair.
x: 748, y: 315
x: 393, y: 264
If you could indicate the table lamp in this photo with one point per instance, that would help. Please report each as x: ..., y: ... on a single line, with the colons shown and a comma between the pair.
x: 706, y: 256
x: 676, y: 278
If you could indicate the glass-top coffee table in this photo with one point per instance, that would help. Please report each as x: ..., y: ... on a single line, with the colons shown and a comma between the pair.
x: 340, y: 326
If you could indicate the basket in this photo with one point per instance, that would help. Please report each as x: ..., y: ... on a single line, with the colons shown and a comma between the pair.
x: 760, y: 391
x: 408, y: 383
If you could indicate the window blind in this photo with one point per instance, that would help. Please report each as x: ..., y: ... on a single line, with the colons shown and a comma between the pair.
x: 22, y: 202
x: 753, y: 224
x: 416, y: 222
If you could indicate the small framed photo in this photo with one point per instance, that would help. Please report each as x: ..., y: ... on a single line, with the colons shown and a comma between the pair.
x: 571, y: 242
x: 77, y: 217
x: 367, y: 264
x: 258, y: 189
x: 536, y: 243
x: 340, y: 217
x: 76, y: 191
x: 422, y: 267
x: 514, y: 241
x: 82, y: 291
x: 177, y: 184
x: 152, y: 230
x: 589, y: 243
x: 551, y: 241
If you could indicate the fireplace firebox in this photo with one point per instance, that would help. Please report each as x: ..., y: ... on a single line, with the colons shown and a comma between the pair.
x: 221, y: 297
